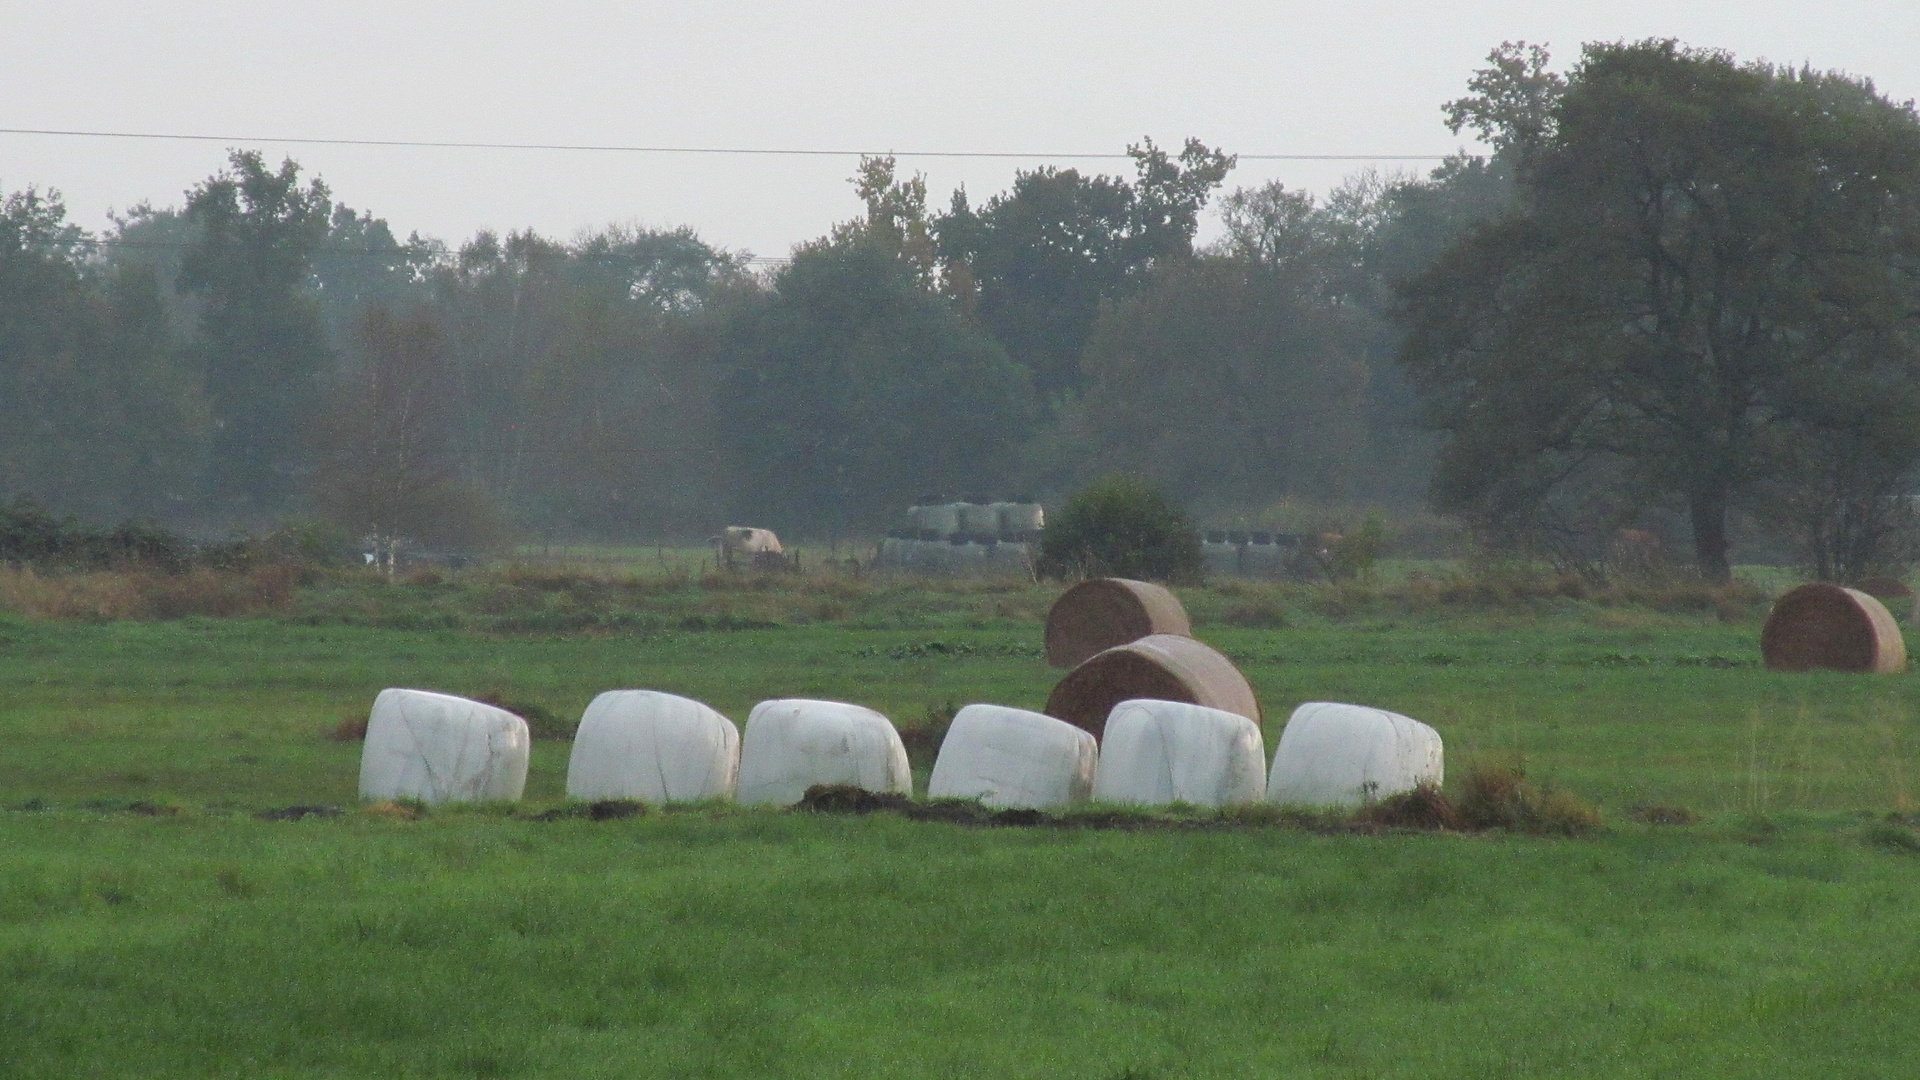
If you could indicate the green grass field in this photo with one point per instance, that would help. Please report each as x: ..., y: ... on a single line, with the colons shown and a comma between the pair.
x: 151, y: 925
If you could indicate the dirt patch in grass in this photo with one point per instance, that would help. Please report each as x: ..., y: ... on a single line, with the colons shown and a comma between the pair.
x: 1663, y: 815
x: 295, y: 813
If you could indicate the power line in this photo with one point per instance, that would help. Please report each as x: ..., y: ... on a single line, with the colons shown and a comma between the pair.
x: 389, y: 253
x: 689, y: 150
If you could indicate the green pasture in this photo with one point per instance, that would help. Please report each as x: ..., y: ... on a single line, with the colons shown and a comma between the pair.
x: 1627, y: 708
x: 151, y: 924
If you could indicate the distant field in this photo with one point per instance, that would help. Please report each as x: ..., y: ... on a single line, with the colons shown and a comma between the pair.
x: 1776, y: 938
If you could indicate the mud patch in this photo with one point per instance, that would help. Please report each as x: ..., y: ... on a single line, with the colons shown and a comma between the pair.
x: 295, y: 813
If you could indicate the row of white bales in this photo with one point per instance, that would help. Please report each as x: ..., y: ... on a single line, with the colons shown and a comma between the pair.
x: 656, y: 747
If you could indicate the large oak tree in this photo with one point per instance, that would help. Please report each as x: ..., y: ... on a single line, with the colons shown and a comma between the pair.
x: 1710, y: 274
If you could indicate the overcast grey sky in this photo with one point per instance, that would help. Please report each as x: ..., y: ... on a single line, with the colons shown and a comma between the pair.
x: 1057, y: 78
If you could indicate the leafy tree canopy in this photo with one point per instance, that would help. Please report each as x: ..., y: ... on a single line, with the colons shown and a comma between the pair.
x: 1711, y: 264
x: 1120, y: 526
x: 855, y: 389
x: 1035, y: 263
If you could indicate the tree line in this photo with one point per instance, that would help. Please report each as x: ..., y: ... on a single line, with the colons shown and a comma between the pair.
x: 1679, y: 293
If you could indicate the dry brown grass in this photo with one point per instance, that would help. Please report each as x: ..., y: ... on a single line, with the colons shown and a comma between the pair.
x: 1500, y: 796
x: 143, y: 594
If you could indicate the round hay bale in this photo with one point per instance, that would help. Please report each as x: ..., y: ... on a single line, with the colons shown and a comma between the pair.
x: 1162, y: 667
x: 1097, y: 615
x: 1831, y: 628
x: 1884, y: 588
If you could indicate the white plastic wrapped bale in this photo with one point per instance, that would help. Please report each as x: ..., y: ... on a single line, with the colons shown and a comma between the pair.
x: 653, y: 747
x: 979, y: 519
x: 793, y: 743
x: 1014, y: 759
x: 439, y: 748
x: 1160, y: 752
x: 1218, y: 556
x: 1022, y: 519
x: 941, y: 519
x: 1347, y: 755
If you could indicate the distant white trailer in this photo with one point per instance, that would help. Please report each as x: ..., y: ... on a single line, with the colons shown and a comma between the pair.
x: 1015, y: 759
x: 1349, y: 755
x: 792, y: 744
x: 1158, y: 752
x: 439, y: 748
x: 653, y: 747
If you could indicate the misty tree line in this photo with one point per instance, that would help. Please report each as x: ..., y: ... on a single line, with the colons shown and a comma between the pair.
x: 264, y: 350
x: 1680, y: 293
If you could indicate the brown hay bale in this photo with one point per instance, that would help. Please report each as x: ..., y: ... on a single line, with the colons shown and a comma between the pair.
x: 1163, y: 667
x: 1097, y: 615
x: 1831, y: 628
x: 1884, y: 588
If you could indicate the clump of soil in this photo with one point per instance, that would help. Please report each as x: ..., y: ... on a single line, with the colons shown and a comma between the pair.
x: 847, y: 799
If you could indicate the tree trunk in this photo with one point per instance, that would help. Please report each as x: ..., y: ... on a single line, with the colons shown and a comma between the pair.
x: 1709, y: 509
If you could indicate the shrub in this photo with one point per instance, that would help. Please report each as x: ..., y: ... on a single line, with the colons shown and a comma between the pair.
x: 1501, y: 797
x: 1121, y: 527
x: 1425, y: 807
x: 1354, y: 555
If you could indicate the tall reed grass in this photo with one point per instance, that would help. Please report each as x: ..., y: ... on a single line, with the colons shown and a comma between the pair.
x: 104, y: 595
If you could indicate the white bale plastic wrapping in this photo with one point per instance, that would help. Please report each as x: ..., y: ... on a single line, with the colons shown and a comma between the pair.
x: 999, y: 511
x: 979, y: 519
x: 1159, y: 752
x: 893, y: 552
x: 1014, y: 759
x: 941, y: 519
x: 1263, y: 560
x: 1347, y: 755
x: 792, y: 744
x: 932, y: 556
x: 1220, y: 557
x: 1020, y: 519
x: 653, y: 747
x: 439, y: 748
x: 1011, y: 557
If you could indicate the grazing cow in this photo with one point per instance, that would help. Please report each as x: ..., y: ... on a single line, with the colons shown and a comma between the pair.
x: 758, y: 548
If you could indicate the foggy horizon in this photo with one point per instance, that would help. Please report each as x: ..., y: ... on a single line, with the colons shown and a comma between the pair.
x: 1369, y: 79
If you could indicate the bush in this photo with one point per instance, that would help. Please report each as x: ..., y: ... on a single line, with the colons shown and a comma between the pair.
x: 1121, y: 527
x: 1500, y: 796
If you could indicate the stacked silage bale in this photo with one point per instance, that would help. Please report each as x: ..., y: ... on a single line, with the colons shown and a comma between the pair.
x: 1220, y: 558
x: 973, y: 536
x: 1262, y: 558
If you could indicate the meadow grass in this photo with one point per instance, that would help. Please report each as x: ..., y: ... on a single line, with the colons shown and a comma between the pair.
x: 150, y: 925
x: 791, y: 945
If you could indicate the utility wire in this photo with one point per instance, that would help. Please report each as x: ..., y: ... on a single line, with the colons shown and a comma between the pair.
x: 728, y: 150
x: 398, y: 253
